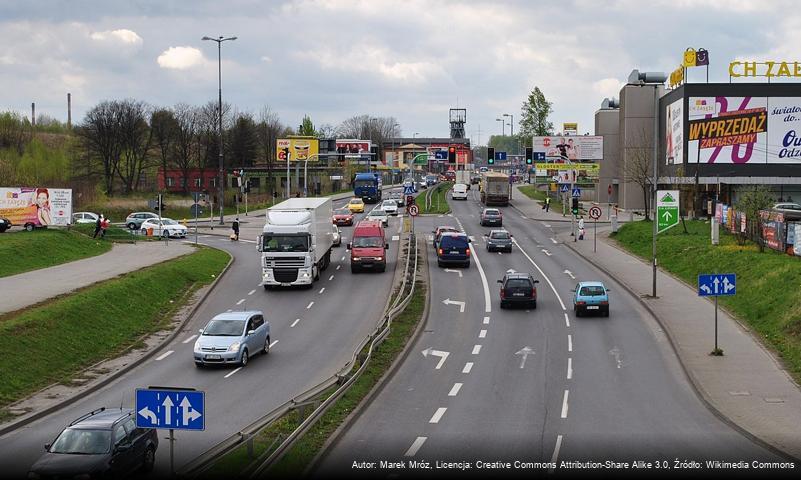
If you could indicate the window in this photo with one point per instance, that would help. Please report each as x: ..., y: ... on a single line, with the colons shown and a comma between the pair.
x: 213, y: 182
x: 518, y: 283
x: 130, y: 427
x: 255, y: 182
x: 368, y: 242
x: 182, y: 180
x: 81, y: 441
x: 258, y: 321
x: 286, y: 243
x: 170, y: 182
x: 198, y: 182
x: 500, y: 235
x: 224, y: 328
x: 118, y: 435
x: 592, y: 291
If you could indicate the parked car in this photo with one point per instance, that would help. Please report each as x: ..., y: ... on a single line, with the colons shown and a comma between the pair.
x: 518, y: 289
x: 337, y: 236
x: 134, y: 221
x: 5, y: 224
x: 591, y: 297
x: 378, y: 215
x: 84, y: 217
x: 166, y: 228
x: 491, y: 217
x: 356, y: 205
x: 342, y: 216
x: 442, y: 229
x: 459, y: 192
x: 453, y: 249
x: 791, y: 211
x: 101, y: 444
x: 232, y: 338
x: 390, y: 207
x: 499, y: 240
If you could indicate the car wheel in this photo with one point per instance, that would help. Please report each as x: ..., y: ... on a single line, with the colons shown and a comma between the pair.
x: 266, y: 346
x: 132, y: 226
x: 199, y: 364
x: 606, y: 312
x: 149, y: 459
x: 354, y: 269
x: 439, y: 264
x: 510, y: 250
x: 244, y: 360
x: 266, y: 287
x: 165, y: 233
x: 534, y: 305
x: 578, y: 312
x: 29, y: 227
x: 467, y: 264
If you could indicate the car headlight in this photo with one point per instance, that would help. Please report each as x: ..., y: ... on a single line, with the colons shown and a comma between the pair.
x: 305, y: 275
x: 234, y: 347
x: 355, y: 259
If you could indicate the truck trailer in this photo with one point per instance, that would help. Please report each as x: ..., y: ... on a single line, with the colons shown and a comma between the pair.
x: 495, y: 189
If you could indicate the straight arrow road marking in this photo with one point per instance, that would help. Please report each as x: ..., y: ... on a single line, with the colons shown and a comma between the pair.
x: 448, y: 301
x: 418, y: 442
x: 570, y: 274
x: 437, y: 353
x: 524, y: 352
x: 454, y: 271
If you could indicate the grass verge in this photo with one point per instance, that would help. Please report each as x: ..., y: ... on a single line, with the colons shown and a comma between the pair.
x: 307, y: 447
x: 22, y: 251
x: 53, y: 342
x: 763, y: 300
x: 534, y: 193
x: 439, y: 199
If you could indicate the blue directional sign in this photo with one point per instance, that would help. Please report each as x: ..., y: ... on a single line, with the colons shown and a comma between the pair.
x: 441, y: 155
x: 538, y: 156
x: 576, y: 193
x: 408, y: 190
x: 170, y: 409
x: 500, y: 155
x: 716, y: 285
x: 564, y: 187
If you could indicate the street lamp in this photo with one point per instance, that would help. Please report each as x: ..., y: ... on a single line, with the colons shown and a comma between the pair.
x: 503, y: 134
x: 512, y: 131
x: 219, y: 41
x: 414, y: 135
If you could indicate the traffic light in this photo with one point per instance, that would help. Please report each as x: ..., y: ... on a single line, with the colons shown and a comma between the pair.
x: 529, y: 155
x: 575, y: 206
x: 451, y: 154
x: 490, y: 156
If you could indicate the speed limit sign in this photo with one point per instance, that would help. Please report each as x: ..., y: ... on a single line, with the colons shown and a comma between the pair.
x: 414, y: 210
x: 595, y: 212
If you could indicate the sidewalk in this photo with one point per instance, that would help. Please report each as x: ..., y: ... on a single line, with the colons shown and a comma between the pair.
x: 30, y: 288
x: 747, y: 386
x: 555, y: 214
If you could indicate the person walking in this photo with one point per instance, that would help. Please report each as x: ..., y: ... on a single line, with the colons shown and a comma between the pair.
x: 581, y: 227
x: 103, y: 227
x: 547, y: 204
x: 98, y: 224
x: 235, y: 228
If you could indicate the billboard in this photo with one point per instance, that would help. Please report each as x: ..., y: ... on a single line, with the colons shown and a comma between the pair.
x: 744, y: 130
x: 301, y: 149
x: 38, y: 206
x: 674, y: 134
x: 584, y: 173
x: 351, y: 148
x: 568, y: 148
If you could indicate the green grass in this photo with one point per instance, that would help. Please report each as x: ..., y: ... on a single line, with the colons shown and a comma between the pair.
x: 534, y: 193
x: 22, y: 251
x: 307, y: 447
x: 55, y: 341
x: 439, y: 199
x: 765, y: 300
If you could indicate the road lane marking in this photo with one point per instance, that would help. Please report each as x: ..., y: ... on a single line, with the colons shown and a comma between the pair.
x: 330, y: 278
x: 189, y: 339
x: 343, y: 258
x: 541, y: 273
x: 251, y: 292
x: 438, y: 415
x: 418, y: 442
x: 294, y: 323
x: 569, y: 343
x: 271, y: 345
x: 564, y: 404
x: 233, y: 372
x: 546, y: 252
x: 395, y: 238
x: 467, y: 367
x: 487, y: 301
x: 482, y: 334
x: 476, y: 349
x: 486, y: 320
x: 555, y: 455
x: 164, y: 355
x: 322, y: 290
x: 455, y: 390
x: 339, y: 266
x: 240, y: 302
x: 308, y: 307
x: 567, y: 321
x: 569, y: 368
x: 554, y: 240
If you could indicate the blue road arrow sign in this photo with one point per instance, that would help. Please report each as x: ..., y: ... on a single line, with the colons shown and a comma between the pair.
x: 564, y: 187
x: 170, y: 409
x: 441, y: 155
x: 539, y: 156
x: 408, y: 190
x: 500, y: 155
x: 716, y: 285
x: 576, y: 193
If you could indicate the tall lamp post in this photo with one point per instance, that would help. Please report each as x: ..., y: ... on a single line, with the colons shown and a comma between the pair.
x: 503, y: 124
x: 512, y: 130
x: 219, y: 41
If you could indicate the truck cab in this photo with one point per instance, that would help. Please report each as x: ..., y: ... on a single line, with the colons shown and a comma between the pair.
x: 368, y: 247
x: 367, y: 186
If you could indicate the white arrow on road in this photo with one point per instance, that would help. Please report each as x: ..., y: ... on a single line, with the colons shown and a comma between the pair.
x: 168, y: 410
x: 454, y: 271
x: 443, y: 356
x: 189, y: 413
x: 150, y: 415
x: 546, y: 252
x: 448, y: 301
x: 570, y: 274
x: 525, y: 352
x: 716, y: 282
x: 727, y: 285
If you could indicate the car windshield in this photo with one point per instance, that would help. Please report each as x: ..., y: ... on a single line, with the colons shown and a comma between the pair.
x: 82, y: 441
x: 499, y: 235
x: 224, y: 328
x: 342, y: 211
x: 518, y: 283
x: 368, y: 242
x: 446, y: 229
x: 286, y: 243
x: 592, y: 291
x: 390, y: 203
x: 167, y: 221
x: 453, y: 242
x: 356, y: 201
x: 491, y: 213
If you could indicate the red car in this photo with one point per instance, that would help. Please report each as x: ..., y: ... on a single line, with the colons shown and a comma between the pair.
x: 342, y: 216
x: 442, y: 229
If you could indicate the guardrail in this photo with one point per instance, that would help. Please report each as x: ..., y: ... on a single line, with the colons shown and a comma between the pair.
x: 208, y: 459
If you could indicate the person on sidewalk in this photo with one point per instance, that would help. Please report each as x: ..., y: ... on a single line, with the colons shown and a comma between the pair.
x: 97, y: 225
x: 104, y: 226
x: 581, y: 227
x: 235, y: 228
x: 547, y: 204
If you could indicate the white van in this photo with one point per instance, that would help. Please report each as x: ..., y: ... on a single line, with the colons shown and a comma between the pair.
x: 459, y: 192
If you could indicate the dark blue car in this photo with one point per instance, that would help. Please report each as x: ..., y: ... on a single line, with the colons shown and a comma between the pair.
x: 453, y: 249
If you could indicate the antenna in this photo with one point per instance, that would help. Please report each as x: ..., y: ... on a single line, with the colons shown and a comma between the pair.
x: 122, y: 399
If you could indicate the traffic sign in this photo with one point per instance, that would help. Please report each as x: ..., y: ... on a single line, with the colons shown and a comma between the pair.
x: 564, y: 187
x: 196, y: 210
x: 716, y: 285
x: 500, y: 155
x: 178, y: 409
x: 441, y: 155
x: 413, y: 210
x: 667, y: 209
x: 539, y: 156
x: 576, y: 193
x: 410, y: 200
x: 408, y: 190
x: 595, y: 212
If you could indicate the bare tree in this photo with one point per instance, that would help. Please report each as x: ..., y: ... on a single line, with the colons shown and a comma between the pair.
x: 242, y: 141
x: 366, y: 127
x: 101, y: 134
x: 137, y: 138
x: 326, y: 130
x: 185, y: 148
x: 268, y: 131
x: 165, y: 129
x: 638, y: 158
x: 208, y: 131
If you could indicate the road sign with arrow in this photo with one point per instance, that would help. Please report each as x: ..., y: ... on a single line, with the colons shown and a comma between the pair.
x: 716, y: 285
x: 170, y: 409
x: 667, y: 209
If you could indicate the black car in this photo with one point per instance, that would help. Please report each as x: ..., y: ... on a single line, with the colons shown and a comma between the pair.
x: 518, y: 289
x: 491, y: 217
x: 499, y: 240
x: 101, y: 443
x: 453, y: 249
x: 5, y: 224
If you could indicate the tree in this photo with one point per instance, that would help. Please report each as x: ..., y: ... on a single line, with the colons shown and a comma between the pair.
x: 15, y: 131
x: 165, y: 129
x: 101, y: 134
x: 208, y: 131
x: 750, y: 202
x: 185, y: 146
x: 268, y: 131
x: 137, y: 139
x: 307, y: 127
x: 534, y: 116
x: 243, y: 142
x: 637, y: 161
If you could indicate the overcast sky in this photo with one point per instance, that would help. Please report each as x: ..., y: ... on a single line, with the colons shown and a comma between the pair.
x: 333, y: 59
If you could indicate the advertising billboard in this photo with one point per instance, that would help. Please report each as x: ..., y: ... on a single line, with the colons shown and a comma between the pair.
x: 744, y: 130
x: 352, y: 148
x: 582, y: 173
x: 674, y: 134
x: 301, y: 149
x: 36, y: 205
x: 566, y: 148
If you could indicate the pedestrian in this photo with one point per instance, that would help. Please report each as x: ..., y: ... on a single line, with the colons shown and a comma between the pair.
x: 547, y: 204
x: 98, y: 224
x: 235, y: 228
x: 581, y: 227
x: 104, y: 226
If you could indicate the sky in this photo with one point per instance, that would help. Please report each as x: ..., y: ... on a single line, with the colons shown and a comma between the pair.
x: 412, y: 60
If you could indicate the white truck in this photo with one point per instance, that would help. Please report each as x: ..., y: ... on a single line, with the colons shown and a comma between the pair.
x: 296, y: 242
x: 463, y: 176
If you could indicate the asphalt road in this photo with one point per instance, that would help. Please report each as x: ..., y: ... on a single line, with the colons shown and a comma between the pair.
x: 590, y: 388
x: 314, y: 333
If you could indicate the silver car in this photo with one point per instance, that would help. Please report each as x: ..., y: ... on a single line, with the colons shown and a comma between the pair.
x: 378, y: 215
x: 336, y: 235
x: 232, y: 338
x: 499, y: 240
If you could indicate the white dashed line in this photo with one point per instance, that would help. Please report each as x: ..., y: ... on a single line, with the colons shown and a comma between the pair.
x: 555, y: 455
x: 476, y: 349
x: 486, y: 320
x: 308, y: 307
x: 271, y: 345
x: 570, y: 343
x: 322, y: 290
x: 343, y: 258
x: 294, y: 323
x: 455, y: 390
x: 438, y: 415
x: 554, y: 240
x: 233, y: 372
x: 418, y: 442
x: 567, y: 321
x: 251, y: 292
x: 339, y: 266
x: 482, y: 334
x: 395, y: 238
x: 164, y: 355
x: 467, y: 367
x: 564, y: 405
x: 569, y: 368
x: 240, y: 302
x: 330, y: 278
x: 189, y: 339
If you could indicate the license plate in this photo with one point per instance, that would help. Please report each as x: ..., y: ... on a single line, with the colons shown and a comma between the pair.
x: 594, y: 307
x: 213, y: 357
x: 454, y: 252
x: 286, y: 284
x: 518, y: 294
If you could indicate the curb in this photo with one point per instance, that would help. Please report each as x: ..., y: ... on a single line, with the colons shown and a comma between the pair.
x: 12, y: 426
x: 379, y: 386
x: 696, y: 386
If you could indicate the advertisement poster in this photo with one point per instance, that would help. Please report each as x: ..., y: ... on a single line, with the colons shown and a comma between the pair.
x: 772, y: 229
x: 796, y: 234
x: 784, y: 130
x: 300, y: 149
x: 584, y: 173
x: 675, y: 133
x: 352, y: 148
x: 37, y: 206
x: 565, y: 149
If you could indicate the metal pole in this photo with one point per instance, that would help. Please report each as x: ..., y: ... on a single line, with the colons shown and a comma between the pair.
x: 222, y: 168
x: 653, y: 186
x: 306, y: 177
x: 716, y: 324
x: 172, y: 452
x: 196, y: 213
x: 288, y: 177
x: 595, y: 237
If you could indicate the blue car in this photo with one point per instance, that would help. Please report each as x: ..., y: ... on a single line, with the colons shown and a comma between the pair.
x: 453, y: 249
x: 590, y: 297
x: 232, y: 338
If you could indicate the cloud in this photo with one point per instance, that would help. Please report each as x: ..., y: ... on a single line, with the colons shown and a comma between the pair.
x: 181, y: 58
x: 608, y: 87
x: 122, y: 36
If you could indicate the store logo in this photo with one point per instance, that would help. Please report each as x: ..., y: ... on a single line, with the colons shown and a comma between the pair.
x: 701, y: 106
